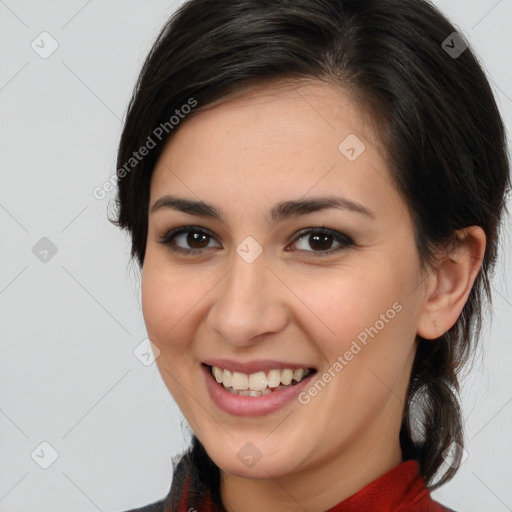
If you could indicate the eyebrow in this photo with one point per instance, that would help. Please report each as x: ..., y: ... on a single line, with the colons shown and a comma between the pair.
x: 280, y: 211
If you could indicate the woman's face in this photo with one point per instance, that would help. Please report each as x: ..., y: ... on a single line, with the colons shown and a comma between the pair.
x: 269, y: 286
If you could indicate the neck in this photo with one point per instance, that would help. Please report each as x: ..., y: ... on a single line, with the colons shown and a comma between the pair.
x: 317, y: 488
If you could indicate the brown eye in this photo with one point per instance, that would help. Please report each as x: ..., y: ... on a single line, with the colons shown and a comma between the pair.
x: 196, y: 239
x: 321, y: 241
x: 187, y: 240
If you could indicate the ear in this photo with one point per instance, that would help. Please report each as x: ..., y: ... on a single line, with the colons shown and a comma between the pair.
x: 450, y: 283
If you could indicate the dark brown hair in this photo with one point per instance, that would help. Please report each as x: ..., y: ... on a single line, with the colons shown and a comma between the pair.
x: 435, y: 115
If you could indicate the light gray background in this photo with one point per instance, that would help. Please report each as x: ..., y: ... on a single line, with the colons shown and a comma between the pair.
x: 69, y: 326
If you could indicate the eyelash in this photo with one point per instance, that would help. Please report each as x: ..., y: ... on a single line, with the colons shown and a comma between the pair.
x: 344, y: 240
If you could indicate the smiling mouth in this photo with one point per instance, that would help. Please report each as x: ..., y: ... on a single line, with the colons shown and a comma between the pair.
x: 259, y: 383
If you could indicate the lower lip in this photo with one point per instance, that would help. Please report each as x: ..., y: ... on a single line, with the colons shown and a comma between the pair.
x: 252, y: 405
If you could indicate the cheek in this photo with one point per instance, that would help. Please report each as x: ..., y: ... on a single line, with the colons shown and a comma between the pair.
x: 167, y: 307
x: 367, y: 319
x: 167, y: 298
x: 343, y: 304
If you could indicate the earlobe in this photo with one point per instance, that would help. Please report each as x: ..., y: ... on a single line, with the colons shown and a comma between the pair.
x: 451, y: 283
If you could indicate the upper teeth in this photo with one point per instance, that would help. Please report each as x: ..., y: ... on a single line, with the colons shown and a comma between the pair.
x: 259, y: 380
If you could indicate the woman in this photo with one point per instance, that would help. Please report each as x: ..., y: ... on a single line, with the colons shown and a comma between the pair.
x: 314, y: 191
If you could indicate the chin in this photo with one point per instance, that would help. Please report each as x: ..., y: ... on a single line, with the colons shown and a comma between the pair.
x: 260, y: 470
x: 250, y: 462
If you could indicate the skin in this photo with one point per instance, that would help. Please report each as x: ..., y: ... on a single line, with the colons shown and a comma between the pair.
x: 274, y: 143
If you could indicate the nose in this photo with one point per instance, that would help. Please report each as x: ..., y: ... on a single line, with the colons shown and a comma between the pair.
x: 249, y: 302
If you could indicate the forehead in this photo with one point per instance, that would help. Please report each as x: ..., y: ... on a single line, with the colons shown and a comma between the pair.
x: 291, y: 105
x: 291, y: 138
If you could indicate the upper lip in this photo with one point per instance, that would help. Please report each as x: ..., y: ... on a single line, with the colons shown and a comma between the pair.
x: 260, y: 365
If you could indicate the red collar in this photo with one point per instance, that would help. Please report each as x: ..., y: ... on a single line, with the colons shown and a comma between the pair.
x: 400, y: 490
